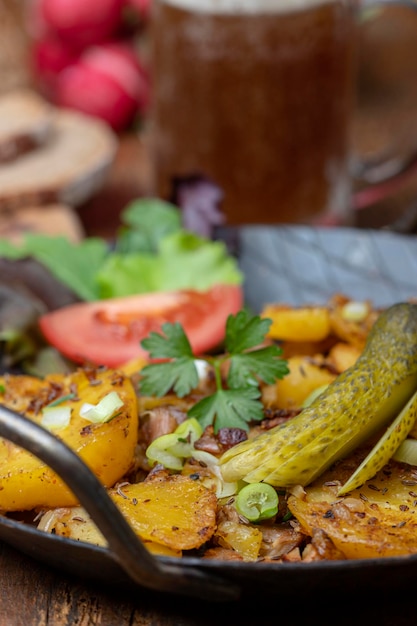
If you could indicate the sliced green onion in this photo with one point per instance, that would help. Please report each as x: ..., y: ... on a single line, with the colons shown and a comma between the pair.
x: 164, y: 450
x: 257, y: 502
x: 407, y: 452
x: 170, y: 450
x: 104, y: 411
x: 355, y: 311
x: 55, y: 417
x: 190, y: 430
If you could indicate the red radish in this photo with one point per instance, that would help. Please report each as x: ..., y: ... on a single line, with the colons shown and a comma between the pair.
x: 121, y: 61
x: 82, y: 22
x: 49, y: 56
x: 107, y: 82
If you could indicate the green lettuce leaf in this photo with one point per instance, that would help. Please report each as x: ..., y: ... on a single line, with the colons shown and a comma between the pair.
x: 75, y: 265
x: 152, y: 252
x: 184, y: 261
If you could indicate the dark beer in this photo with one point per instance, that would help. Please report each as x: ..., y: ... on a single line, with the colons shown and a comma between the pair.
x: 256, y: 95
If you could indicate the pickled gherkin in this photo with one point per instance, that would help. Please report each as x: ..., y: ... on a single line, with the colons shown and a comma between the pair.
x: 360, y: 402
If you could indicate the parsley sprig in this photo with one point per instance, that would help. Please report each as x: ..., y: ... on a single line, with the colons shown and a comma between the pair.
x: 235, y: 402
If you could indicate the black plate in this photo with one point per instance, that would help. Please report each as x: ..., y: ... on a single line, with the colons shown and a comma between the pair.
x: 286, y: 264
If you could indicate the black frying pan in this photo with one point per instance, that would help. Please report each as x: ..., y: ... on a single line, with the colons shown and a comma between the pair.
x: 286, y: 264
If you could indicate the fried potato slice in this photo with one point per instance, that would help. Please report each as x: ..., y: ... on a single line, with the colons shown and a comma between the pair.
x: 310, y: 323
x: 306, y: 374
x: 378, y: 519
x: 26, y: 482
x: 75, y: 523
x: 351, y: 321
x: 245, y: 539
x: 170, y: 515
x: 343, y: 355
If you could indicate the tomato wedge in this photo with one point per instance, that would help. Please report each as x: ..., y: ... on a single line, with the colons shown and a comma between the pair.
x: 109, y: 332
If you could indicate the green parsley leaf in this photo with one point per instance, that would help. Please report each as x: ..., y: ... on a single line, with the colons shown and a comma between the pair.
x: 173, y: 343
x: 180, y: 375
x: 247, y: 365
x: 245, y: 331
x: 247, y: 368
x: 229, y: 408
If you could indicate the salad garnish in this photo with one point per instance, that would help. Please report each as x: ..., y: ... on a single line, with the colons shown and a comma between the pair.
x: 235, y: 402
x: 151, y: 252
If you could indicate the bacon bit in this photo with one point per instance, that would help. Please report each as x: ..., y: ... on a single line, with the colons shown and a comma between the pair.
x: 162, y: 420
x: 86, y: 430
x: 45, y: 396
x: 209, y: 442
x: 229, y: 437
x: 117, y: 379
x: 216, y: 444
x: 91, y: 373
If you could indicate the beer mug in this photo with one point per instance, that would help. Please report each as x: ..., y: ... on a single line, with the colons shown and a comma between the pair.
x: 257, y: 97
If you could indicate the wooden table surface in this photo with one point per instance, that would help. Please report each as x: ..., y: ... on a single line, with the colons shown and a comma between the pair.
x: 35, y: 595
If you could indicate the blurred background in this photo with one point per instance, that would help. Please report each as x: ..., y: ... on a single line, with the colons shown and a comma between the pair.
x: 94, y: 57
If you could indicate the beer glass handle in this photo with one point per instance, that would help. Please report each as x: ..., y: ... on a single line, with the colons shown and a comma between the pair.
x: 383, y: 175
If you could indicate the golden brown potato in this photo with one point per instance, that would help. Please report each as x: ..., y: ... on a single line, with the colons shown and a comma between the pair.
x: 343, y: 355
x: 378, y: 519
x: 297, y: 324
x: 176, y: 513
x: 351, y: 321
x: 108, y: 449
x: 75, y: 523
x: 246, y: 540
x: 305, y: 376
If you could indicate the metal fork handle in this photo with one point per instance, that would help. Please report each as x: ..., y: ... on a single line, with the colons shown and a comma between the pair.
x: 125, y: 547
